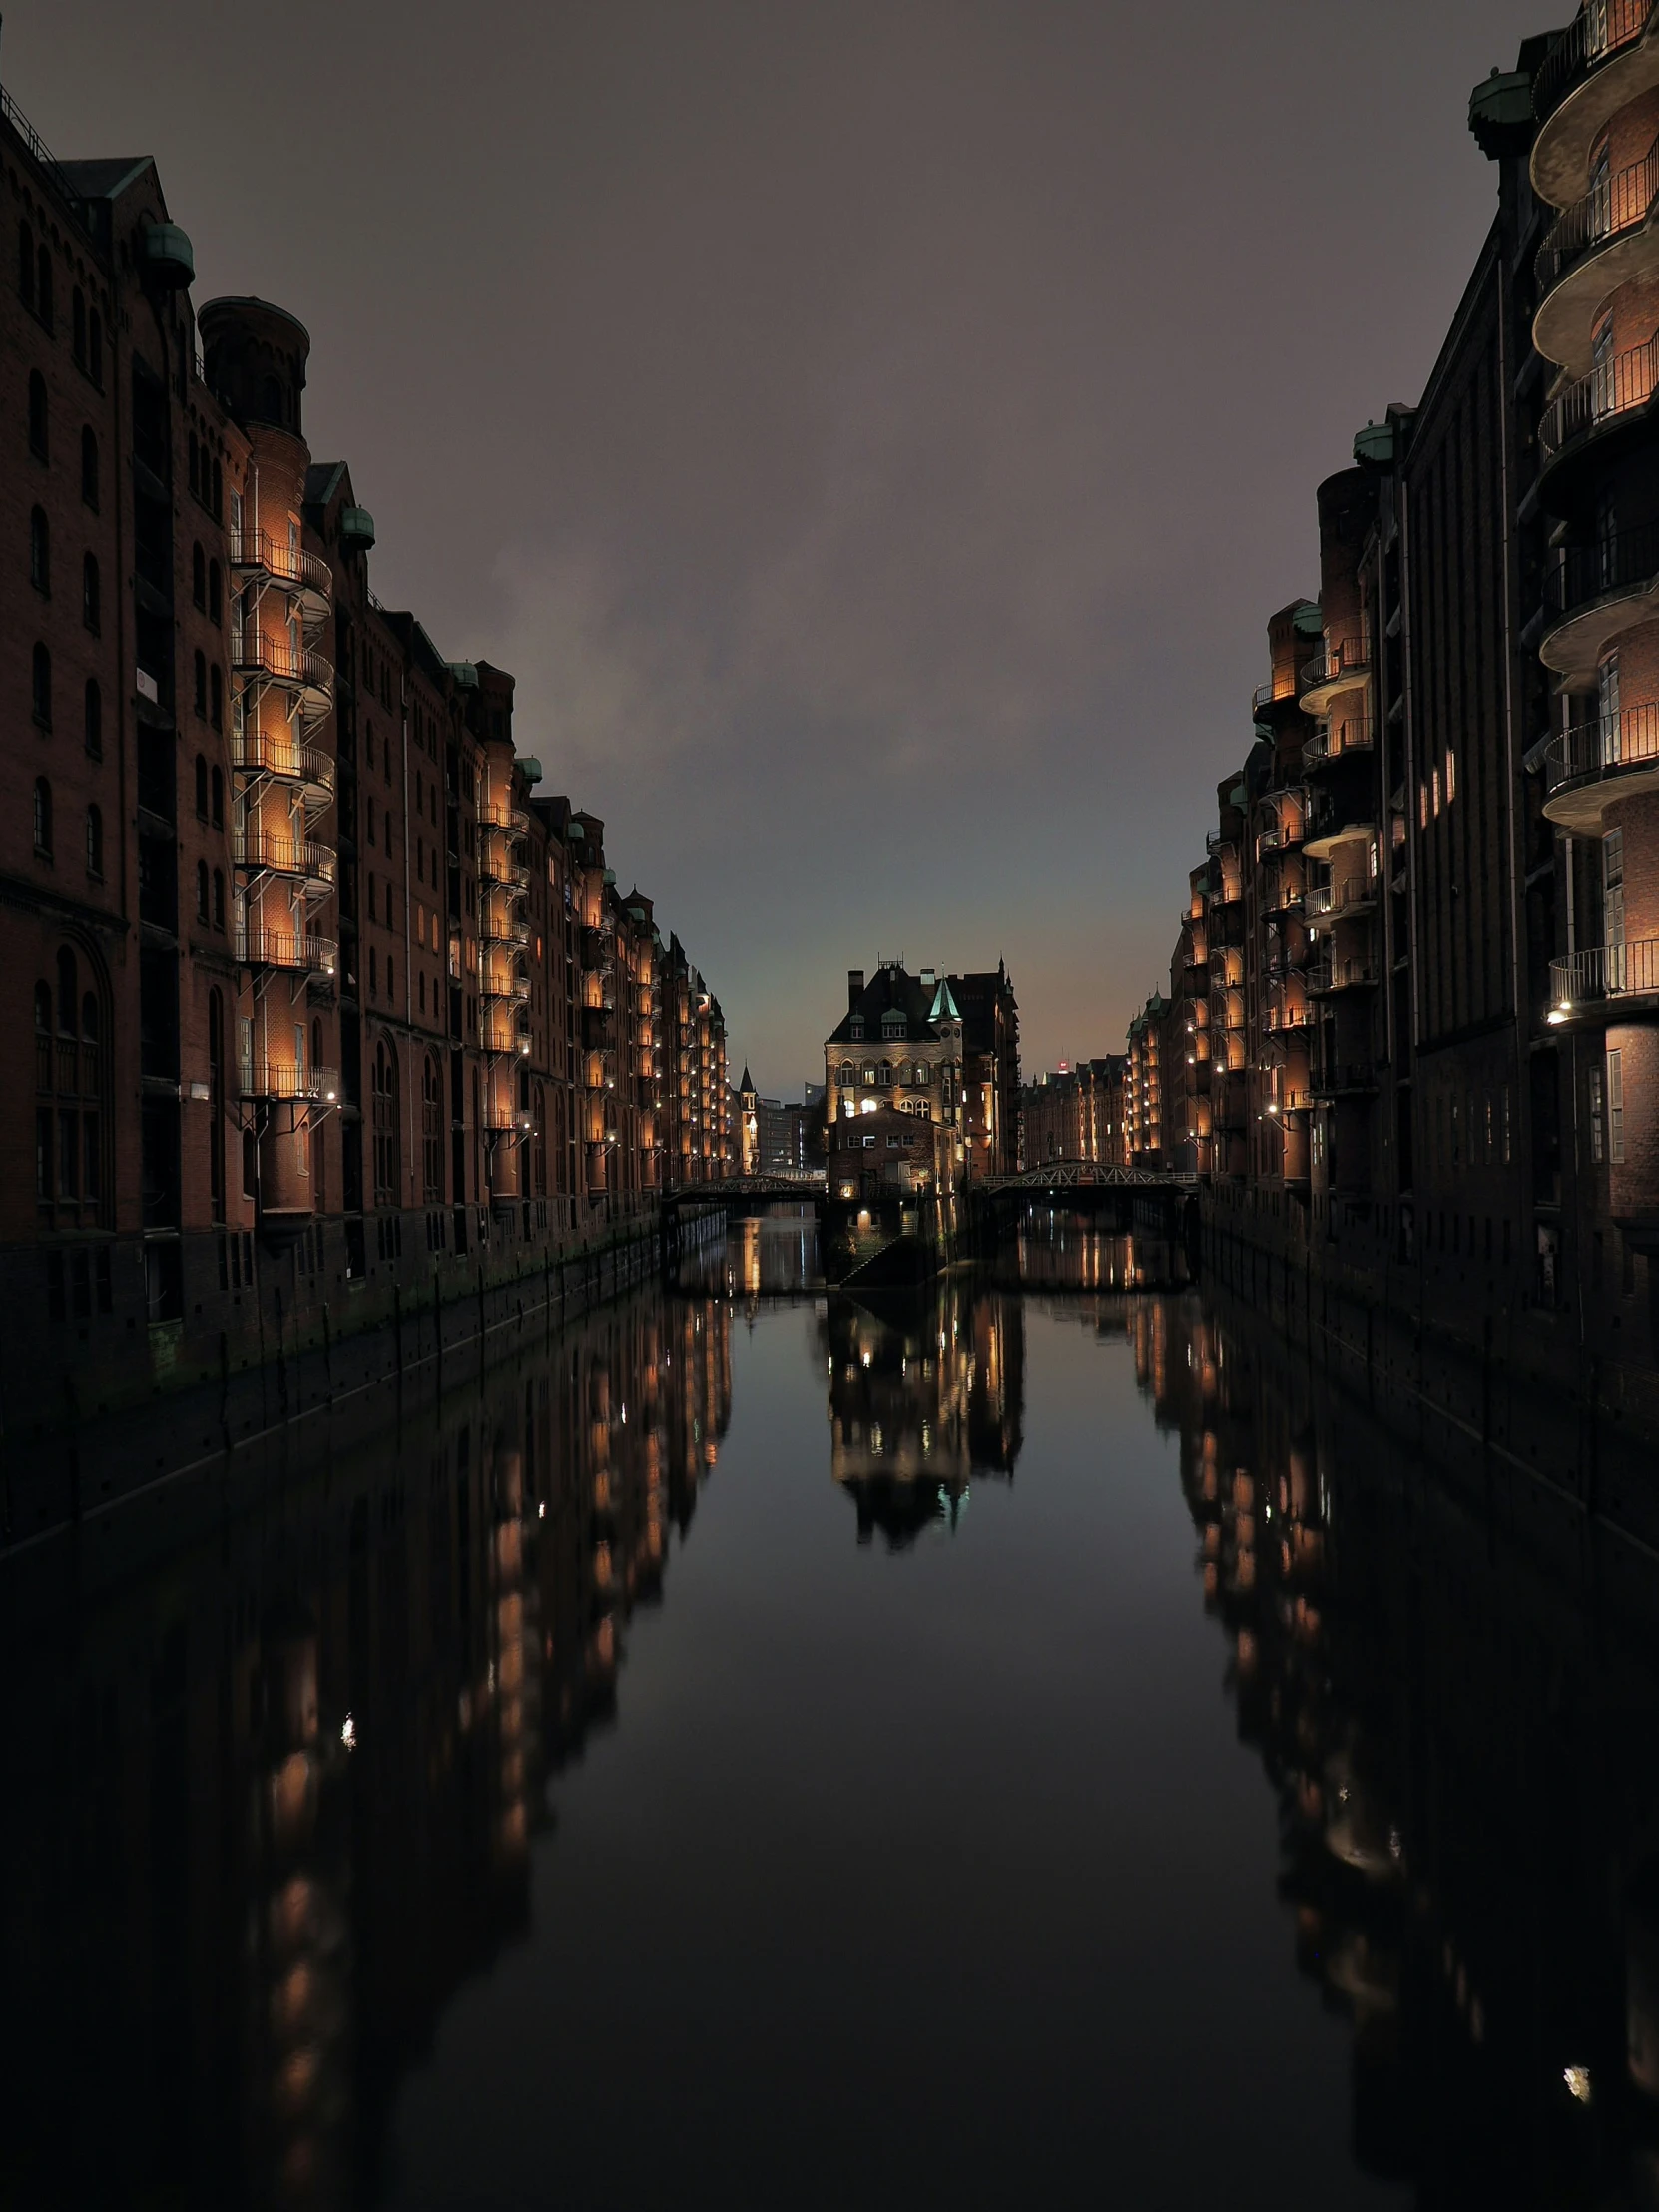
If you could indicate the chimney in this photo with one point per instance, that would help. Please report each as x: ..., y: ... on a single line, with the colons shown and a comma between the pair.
x: 928, y: 979
x: 855, y: 988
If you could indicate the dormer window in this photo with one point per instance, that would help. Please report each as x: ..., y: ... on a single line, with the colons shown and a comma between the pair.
x: 857, y: 1029
x: 894, y: 1025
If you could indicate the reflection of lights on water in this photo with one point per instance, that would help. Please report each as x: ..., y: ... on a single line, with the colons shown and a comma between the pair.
x: 541, y: 1510
x: 1577, y: 2079
x: 348, y: 1733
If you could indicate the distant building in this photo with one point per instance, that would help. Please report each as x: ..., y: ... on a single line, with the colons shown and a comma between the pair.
x: 906, y: 1043
x: 1077, y: 1113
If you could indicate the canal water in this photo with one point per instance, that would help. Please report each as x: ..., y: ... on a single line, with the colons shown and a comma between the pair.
x: 1027, y: 1743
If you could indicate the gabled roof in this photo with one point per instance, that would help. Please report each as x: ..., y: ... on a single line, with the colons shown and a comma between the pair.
x: 893, y: 990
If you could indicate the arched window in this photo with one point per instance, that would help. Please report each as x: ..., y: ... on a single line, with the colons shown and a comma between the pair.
x: 92, y: 597
x: 219, y: 493
x: 847, y: 1074
x: 43, y: 286
x: 43, y: 818
x: 202, y: 891
x: 67, y: 991
x: 77, y: 327
x: 40, y: 550
x: 216, y: 698
x: 39, y: 444
x: 94, y: 718
x: 219, y: 797
x: 95, y: 349
x: 71, y: 1078
x: 200, y: 665
x: 270, y: 401
x: 431, y: 1131
x: 95, y: 841
x: 89, y: 467
x: 25, y: 264
x: 383, y: 1106
x: 198, y: 576
x: 215, y: 593
x: 43, y: 1010
x: 215, y: 1090
x: 219, y: 899
x: 201, y: 786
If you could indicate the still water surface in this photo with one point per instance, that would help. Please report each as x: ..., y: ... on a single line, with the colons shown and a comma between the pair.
x: 1015, y: 1745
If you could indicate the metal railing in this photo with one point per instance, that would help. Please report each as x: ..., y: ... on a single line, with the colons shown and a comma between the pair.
x: 1334, y: 743
x: 282, y: 1079
x: 257, y: 848
x: 1325, y: 818
x: 254, y: 653
x: 1619, y: 560
x: 506, y: 875
x: 1611, y: 741
x: 1344, y: 658
x: 1618, y: 203
x: 1343, y: 1075
x: 1339, y: 975
x: 267, y: 753
x: 1332, y: 901
x: 503, y: 929
x: 288, y: 564
x: 1615, y: 387
x: 1598, y: 31
x: 1275, y: 688
x: 1605, y: 972
x: 510, y: 989
x: 43, y: 157
x: 1291, y: 1016
x: 498, y: 816
x: 260, y: 944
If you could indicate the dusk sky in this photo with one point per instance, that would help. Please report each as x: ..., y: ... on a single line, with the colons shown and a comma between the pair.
x: 874, y: 435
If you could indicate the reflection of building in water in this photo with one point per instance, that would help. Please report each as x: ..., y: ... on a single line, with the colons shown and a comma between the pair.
x: 281, y: 1806
x: 925, y: 1391
x: 773, y: 1255
x: 1455, y: 1714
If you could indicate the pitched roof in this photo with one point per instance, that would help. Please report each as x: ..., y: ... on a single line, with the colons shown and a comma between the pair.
x: 893, y: 990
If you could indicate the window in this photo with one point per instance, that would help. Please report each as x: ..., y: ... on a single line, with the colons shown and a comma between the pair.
x: 43, y: 286
x: 195, y: 464
x: 94, y: 720
x: 95, y: 841
x: 200, y: 668
x: 77, y: 327
x: 218, y: 796
x: 219, y: 899
x: 89, y: 468
x: 40, y: 551
x: 92, y: 598
x: 202, y: 891
x: 431, y: 1131
x: 200, y: 787
x: 215, y: 593
x: 43, y: 819
x: 846, y: 1072
x: 215, y: 699
x: 384, y: 1114
x: 219, y: 492
x: 1599, y: 1133
x: 1615, y: 1103
x: 38, y: 444
x: 199, y: 577
x: 25, y: 264
x: 95, y: 347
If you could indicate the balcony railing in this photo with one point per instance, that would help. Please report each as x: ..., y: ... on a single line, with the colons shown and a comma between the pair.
x: 1344, y: 658
x: 1612, y: 741
x: 1332, y: 901
x: 1598, y: 31
x: 1275, y: 687
x: 282, y: 1079
x: 1620, y: 561
x: 1342, y: 1076
x: 509, y: 874
x: 257, y: 550
x: 1215, y: 844
x: 264, y: 753
x: 1326, y: 818
x: 510, y: 989
x: 254, y: 653
x: 1619, y: 203
x: 1293, y: 1016
x: 255, y: 850
x: 497, y: 815
x: 1618, y: 387
x: 1605, y: 972
x: 496, y: 929
x: 1326, y: 977
x: 1334, y: 743
x: 260, y: 944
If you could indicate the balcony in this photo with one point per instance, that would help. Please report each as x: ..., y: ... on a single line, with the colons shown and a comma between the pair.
x: 495, y: 928
x: 1592, y: 593
x: 501, y: 1117
x: 1216, y: 844
x: 1332, y: 823
x: 1326, y: 977
x: 504, y: 988
x: 1343, y: 666
x: 262, y: 855
x: 310, y: 675
x: 1337, y: 901
x: 1611, y: 398
x: 1276, y: 689
x: 258, y: 553
x: 276, y: 754
x: 1603, y: 980
x: 1603, y: 241
x: 1336, y: 743
x: 1282, y: 892
x: 1343, y: 1079
x: 598, y: 1029
x: 262, y: 945
x: 273, y: 1079
x: 1595, y: 761
x: 1276, y: 1020
x: 1604, y: 59
x: 500, y: 1033
x: 509, y: 874
x: 497, y: 815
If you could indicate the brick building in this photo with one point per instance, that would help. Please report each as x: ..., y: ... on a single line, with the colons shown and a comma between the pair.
x: 944, y: 1048
x: 1077, y: 1113
x: 326, y: 990
x: 1431, y: 894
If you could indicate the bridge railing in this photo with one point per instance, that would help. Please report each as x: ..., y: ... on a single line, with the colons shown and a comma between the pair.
x: 1056, y: 1175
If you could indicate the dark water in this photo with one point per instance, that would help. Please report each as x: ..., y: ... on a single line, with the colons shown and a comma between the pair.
x: 1025, y: 1745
